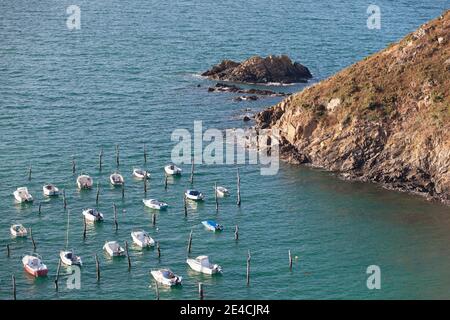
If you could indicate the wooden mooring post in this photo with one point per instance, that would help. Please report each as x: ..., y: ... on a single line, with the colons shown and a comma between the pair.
x: 29, y: 172
x: 200, y: 291
x: 97, y: 267
x: 165, y: 182
x: 8, y: 251
x: 39, y: 208
x: 84, y: 228
x: 145, y: 154
x: 97, y: 196
x: 192, y: 171
x: 57, y: 274
x: 290, y: 260
x: 100, y: 160
x: 236, y: 233
x: 123, y: 190
x: 14, y: 287
x: 116, y: 224
x: 64, y: 199
x: 128, y: 256
x: 153, y: 219
x: 74, y: 166
x: 248, y: 267
x: 215, y: 197
x: 189, y: 243
x: 145, y: 183
x: 185, y: 205
x: 158, y: 249
x: 157, y: 290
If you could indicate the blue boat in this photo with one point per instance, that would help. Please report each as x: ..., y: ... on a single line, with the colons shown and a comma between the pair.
x: 212, y: 225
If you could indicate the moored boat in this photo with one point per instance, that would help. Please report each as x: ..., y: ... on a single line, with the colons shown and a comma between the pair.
x: 172, y: 169
x: 114, y: 249
x: 84, y: 182
x: 222, y: 191
x: 142, y: 239
x: 116, y: 179
x: 141, y: 174
x: 203, y: 265
x: 194, y: 195
x: 50, y: 190
x: 155, y: 204
x: 18, y: 230
x: 166, y: 277
x: 69, y: 258
x: 22, y: 195
x: 33, y: 265
x: 92, y: 215
x: 212, y: 225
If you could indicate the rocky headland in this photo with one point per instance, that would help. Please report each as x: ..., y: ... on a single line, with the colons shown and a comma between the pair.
x: 385, y: 119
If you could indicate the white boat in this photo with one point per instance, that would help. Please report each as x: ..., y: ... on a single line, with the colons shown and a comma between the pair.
x: 69, y: 258
x: 18, y: 230
x: 114, y: 249
x: 50, y: 190
x: 141, y: 174
x: 33, y: 265
x: 203, y: 265
x: 194, y: 195
x: 116, y: 179
x: 212, y: 225
x: 222, y: 191
x: 142, y: 239
x: 155, y: 204
x: 85, y: 182
x: 172, y: 169
x: 166, y: 277
x: 22, y: 195
x: 92, y: 215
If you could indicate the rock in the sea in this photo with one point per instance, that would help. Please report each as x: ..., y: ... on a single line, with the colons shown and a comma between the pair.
x: 222, y: 87
x: 246, y: 98
x: 246, y: 118
x: 272, y: 69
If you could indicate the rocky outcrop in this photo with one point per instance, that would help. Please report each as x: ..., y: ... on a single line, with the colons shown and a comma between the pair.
x: 272, y: 69
x: 385, y: 119
x: 223, y: 87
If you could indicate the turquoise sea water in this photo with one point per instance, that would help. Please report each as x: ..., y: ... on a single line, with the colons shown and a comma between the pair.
x: 128, y: 78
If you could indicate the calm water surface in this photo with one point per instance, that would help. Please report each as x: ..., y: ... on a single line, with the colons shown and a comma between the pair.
x: 128, y: 77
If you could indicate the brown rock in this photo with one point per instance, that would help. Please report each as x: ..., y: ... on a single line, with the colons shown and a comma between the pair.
x: 277, y: 69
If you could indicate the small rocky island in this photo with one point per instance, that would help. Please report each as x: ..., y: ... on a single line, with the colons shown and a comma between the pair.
x: 258, y: 70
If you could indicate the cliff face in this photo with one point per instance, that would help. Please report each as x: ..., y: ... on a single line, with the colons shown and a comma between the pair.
x: 384, y: 119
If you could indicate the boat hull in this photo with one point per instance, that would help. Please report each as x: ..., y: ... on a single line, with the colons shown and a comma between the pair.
x: 166, y: 282
x: 199, y: 268
x: 172, y: 172
x: 22, y: 200
x: 36, y: 273
x: 69, y: 262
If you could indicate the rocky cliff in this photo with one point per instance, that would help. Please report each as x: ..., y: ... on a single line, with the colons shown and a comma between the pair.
x: 279, y: 69
x: 384, y: 119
